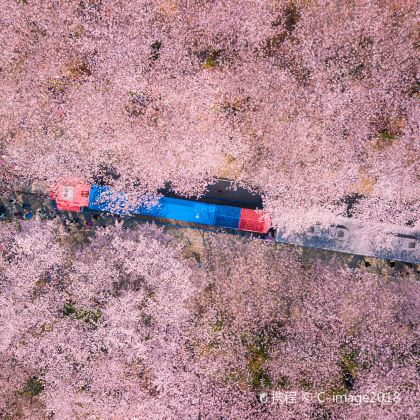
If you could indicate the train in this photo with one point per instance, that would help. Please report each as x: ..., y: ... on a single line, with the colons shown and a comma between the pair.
x: 346, y: 235
x: 77, y: 195
x: 358, y: 238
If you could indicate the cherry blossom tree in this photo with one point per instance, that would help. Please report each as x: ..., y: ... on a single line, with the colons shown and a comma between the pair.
x: 269, y: 322
x: 122, y: 325
x: 312, y: 101
x: 98, y: 328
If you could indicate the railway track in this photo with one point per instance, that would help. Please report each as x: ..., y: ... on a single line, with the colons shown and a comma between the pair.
x: 22, y: 206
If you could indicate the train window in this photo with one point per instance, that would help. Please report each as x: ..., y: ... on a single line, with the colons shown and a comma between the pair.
x: 335, y: 232
x: 411, y: 245
x: 317, y: 230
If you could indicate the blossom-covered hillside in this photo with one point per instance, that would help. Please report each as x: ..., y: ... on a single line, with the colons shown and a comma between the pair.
x: 314, y: 101
x: 125, y: 326
x: 109, y: 311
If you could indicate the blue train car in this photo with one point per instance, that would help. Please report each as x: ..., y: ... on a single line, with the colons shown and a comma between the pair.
x: 104, y: 199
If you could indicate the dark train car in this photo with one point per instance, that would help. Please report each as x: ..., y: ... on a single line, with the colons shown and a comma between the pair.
x: 351, y: 237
